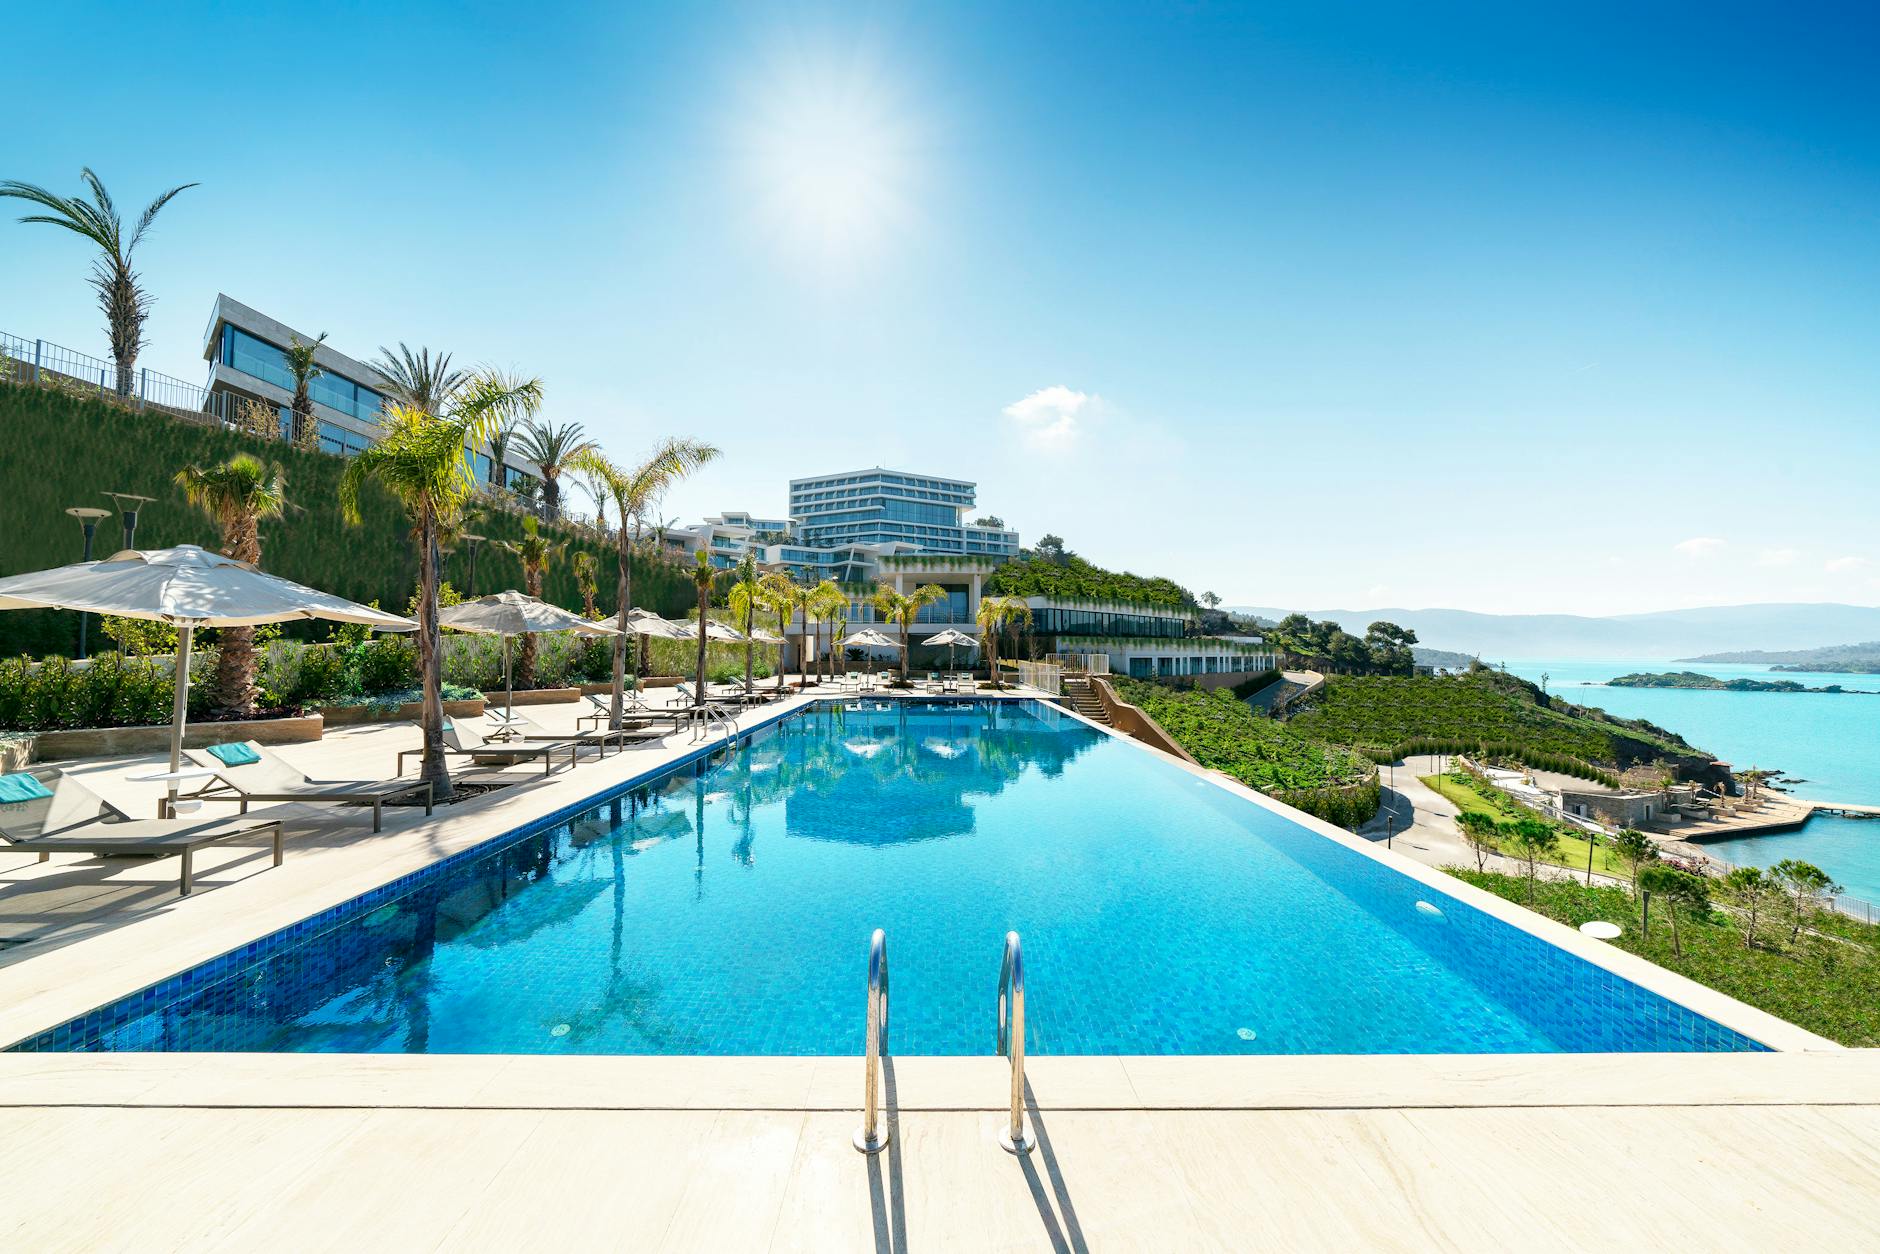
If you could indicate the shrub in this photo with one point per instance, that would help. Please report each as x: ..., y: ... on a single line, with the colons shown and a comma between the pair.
x: 387, y: 663
x: 110, y: 691
x: 321, y: 678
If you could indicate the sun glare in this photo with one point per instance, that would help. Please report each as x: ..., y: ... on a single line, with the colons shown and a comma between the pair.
x: 828, y: 150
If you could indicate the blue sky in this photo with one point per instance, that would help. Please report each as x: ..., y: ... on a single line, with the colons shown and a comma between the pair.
x: 1504, y: 307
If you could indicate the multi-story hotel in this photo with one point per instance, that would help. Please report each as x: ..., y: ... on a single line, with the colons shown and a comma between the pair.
x: 867, y: 528
x: 246, y: 352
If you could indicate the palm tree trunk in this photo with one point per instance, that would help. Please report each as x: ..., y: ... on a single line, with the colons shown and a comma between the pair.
x: 118, y: 296
x: 617, y: 714
x: 551, y: 495
x: 525, y: 663
x: 698, y: 681
x: 907, y: 624
x: 430, y: 658
x: 748, y: 645
x: 235, y: 655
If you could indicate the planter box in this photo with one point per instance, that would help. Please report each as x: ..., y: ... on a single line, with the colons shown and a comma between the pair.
x: 537, y: 696
x: 95, y: 742
x: 411, y: 711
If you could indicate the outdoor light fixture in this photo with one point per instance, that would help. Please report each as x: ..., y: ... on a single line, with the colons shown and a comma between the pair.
x: 128, y: 503
x: 87, y: 519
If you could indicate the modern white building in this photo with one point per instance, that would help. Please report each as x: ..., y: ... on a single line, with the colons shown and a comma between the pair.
x: 246, y: 352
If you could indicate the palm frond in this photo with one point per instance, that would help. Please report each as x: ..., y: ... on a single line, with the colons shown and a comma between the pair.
x: 150, y: 215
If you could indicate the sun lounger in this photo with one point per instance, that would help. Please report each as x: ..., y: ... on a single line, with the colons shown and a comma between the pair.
x: 67, y: 817
x: 268, y: 778
x: 527, y: 730
x: 632, y: 708
x: 462, y: 740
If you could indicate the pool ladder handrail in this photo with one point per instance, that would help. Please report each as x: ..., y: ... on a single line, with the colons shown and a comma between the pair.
x: 872, y: 1136
x: 1017, y: 1137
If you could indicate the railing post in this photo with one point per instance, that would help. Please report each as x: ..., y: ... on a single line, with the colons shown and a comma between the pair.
x: 873, y: 1134
x: 1017, y: 1136
x: 39, y: 353
x: 143, y: 386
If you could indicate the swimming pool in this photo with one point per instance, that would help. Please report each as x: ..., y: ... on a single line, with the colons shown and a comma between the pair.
x: 725, y: 908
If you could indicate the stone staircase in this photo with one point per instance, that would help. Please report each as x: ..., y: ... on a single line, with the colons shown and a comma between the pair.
x: 1082, y: 697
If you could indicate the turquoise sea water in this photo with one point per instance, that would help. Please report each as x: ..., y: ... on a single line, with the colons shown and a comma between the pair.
x: 1829, y: 744
x: 726, y: 907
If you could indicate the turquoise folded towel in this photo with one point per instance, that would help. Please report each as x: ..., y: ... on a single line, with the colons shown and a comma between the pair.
x: 235, y: 754
x: 21, y: 787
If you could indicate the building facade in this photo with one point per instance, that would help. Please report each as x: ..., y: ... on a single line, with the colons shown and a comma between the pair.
x: 247, y: 355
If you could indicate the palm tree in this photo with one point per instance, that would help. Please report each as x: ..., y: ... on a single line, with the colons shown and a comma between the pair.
x: 635, y: 489
x: 301, y: 365
x: 827, y: 601
x: 238, y: 494
x: 901, y: 608
x: 596, y: 487
x: 499, y: 451
x: 536, y: 551
x: 419, y: 458
x: 125, y: 303
x: 419, y: 381
x: 779, y: 594
x: 742, y: 599
x: 702, y: 576
x: 555, y: 450
x: 586, y: 565
x: 995, y: 615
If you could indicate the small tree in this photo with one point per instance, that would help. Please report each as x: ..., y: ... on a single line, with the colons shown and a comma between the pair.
x: 536, y: 551
x: 1633, y: 848
x: 741, y: 599
x: 586, y: 568
x: 301, y: 365
x: 238, y: 494
x: 1680, y: 890
x: 1481, y: 833
x: 1804, y: 884
x: 1750, y: 891
x: 902, y: 608
x: 1533, y: 842
x: 996, y: 613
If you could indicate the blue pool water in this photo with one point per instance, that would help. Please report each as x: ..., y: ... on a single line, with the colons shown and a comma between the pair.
x: 726, y: 909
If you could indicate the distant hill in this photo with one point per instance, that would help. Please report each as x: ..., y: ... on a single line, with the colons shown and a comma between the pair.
x: 1848, y: 659
x: 1667, y: 635
x: 1442, y: 659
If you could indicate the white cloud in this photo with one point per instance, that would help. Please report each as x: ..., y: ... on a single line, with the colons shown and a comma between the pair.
x: 1048, y: 417
x: 1777, y: 556
x: 1846, y: 565
x: 1698, y: 546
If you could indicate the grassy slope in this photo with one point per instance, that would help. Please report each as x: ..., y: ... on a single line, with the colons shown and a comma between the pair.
x: 1224, y: 735
x: 64, y: 451
x: 1572, y: 855
x: 1380, y: 712
x: 1828, y: 984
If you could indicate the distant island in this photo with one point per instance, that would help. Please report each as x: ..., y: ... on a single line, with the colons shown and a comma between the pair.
x: 1837, y: 659
x: 1691, y: 679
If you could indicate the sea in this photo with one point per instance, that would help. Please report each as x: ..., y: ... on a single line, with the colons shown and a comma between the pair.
x: 1827, y: 744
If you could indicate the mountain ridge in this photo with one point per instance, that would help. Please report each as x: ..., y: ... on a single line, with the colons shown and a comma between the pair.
x: 1659, y: 634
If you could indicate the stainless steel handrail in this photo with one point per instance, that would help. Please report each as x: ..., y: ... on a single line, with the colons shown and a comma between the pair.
x: 1017, y: 1137
x: 873, y: 1134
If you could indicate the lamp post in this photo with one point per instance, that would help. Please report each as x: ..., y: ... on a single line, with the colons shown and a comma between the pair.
x: 87, y: 519
x: 470, y: 590
x: 128, y: 503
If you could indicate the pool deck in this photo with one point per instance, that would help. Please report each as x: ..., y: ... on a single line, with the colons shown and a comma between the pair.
x: 229, y: 1151
x: 1473, y: 1153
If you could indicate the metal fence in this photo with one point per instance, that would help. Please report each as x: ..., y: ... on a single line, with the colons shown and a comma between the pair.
x: 41, y: 361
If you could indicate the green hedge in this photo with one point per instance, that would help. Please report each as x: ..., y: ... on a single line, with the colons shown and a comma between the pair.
x: 64, y: 451
x: 1077, y: 579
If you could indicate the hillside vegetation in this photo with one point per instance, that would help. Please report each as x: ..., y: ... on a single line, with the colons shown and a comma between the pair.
x: 1223, y: 734
x: 1069, y: 577
x: 64, y: 451
x: 1485, y: 711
